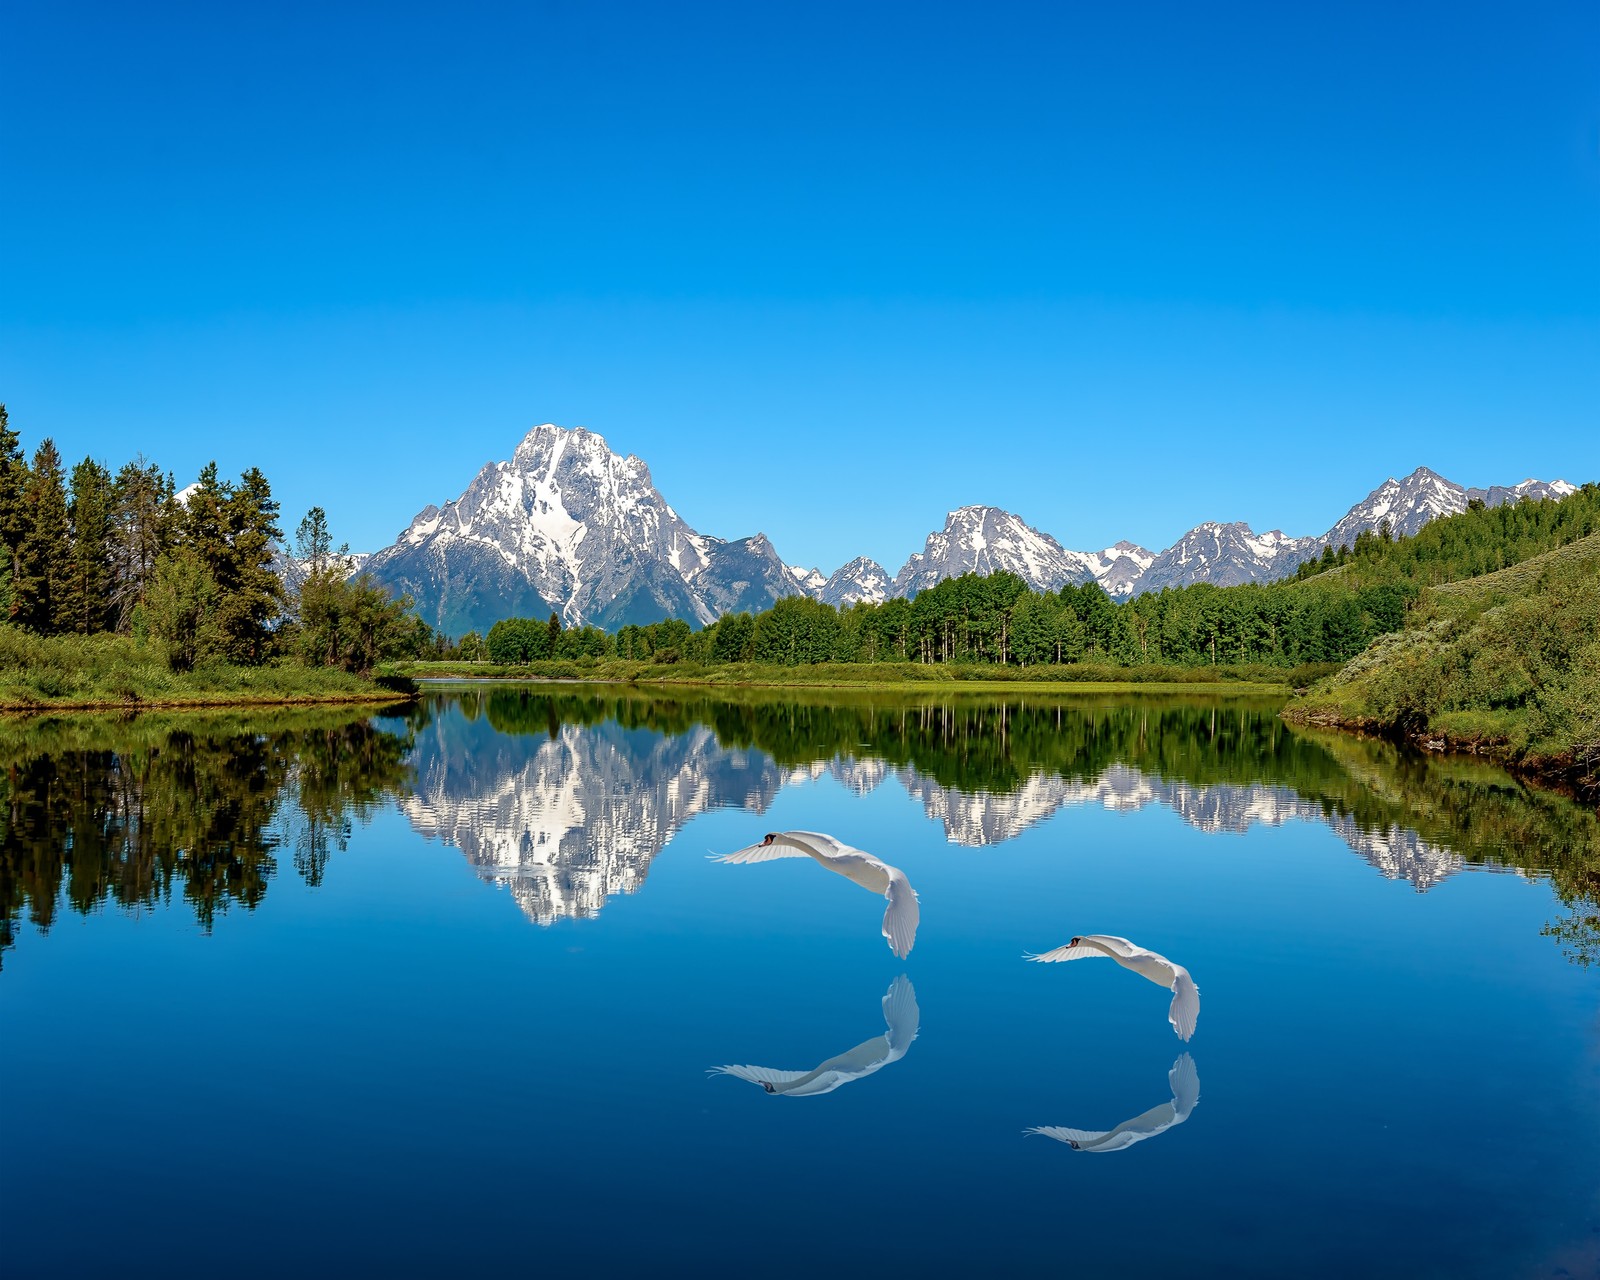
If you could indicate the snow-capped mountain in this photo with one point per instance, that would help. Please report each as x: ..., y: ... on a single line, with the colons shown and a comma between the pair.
x: 567, y: 526
x: 1225, y: 554
x: 988, y: 540
x: 1406, y: 504
x: 861, y: 579
x: 810, y: 581
x: 1120, y: 566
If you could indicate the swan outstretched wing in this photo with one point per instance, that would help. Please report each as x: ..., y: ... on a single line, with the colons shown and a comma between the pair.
x: 1068, y: 952
x: 760, y: 1075
x: 1078, y: 1139
x: 760, y: 853
x: 901, y: 1013
x: 1185, y: 1009
x: 901, y: 919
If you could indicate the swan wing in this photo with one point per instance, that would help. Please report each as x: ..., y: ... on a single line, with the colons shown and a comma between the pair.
x: 820, y: 845
x: 760, y: 1075
x: 760, y: 853
x: 1087, y: 1139
x: 901, y: 1013
x: 1185, y: 1082
x: 1185, y: 1009
x: 1068, y: 952
x: 901, y: 919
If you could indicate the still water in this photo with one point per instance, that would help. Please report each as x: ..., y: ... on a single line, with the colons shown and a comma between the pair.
x: 459, y: 990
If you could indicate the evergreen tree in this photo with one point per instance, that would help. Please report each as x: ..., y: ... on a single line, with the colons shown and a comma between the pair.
x: 252, y: 592
x: 44, y: 551
x: 144, y: 524
x: 181, y: 604
x: 13, y: 480
x: 90, y: 510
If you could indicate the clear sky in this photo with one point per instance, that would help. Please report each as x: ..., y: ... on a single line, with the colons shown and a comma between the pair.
x: 830, y: 270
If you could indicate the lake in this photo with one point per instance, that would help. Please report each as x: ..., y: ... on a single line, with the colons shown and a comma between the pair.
x: 459, y: 990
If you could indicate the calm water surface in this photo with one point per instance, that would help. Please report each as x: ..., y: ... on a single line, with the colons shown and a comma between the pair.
x: 448, y: 991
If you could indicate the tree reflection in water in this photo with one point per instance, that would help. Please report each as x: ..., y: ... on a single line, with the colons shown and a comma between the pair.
x: 201, y: 806
x: 136, y: 812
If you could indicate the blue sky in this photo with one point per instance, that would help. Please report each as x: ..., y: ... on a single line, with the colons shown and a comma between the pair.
x: 830, y: 269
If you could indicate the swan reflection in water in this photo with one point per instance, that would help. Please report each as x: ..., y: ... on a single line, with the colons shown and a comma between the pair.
x: 901, y: 1014
x: 856, y: 865
x: 1185, y: 1083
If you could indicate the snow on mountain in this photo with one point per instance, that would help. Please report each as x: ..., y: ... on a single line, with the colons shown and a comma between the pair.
x: 1120, y: 566
x: 810, y: 581
x: 1424, y: 495
x: 1225, y: 554
x: 861, y: 579
x: 988, y: 540
x: 567, y: 526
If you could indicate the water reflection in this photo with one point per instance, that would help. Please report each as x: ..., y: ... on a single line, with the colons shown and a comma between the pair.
x: 900, y: 1014
x: 1183, y: 1079
x: 135, y: 812
x: 565, y: 796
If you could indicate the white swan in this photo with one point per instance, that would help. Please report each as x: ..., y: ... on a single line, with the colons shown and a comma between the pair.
x: 899, y: 921
x: 1185, y: 1010
x: 1185, y: 1083
x: 901, y: 1014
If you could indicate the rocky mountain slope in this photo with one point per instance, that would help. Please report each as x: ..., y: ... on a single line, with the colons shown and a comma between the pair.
x: 567, y: 526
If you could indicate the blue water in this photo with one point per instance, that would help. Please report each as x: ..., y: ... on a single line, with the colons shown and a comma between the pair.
x: 410, y: 1069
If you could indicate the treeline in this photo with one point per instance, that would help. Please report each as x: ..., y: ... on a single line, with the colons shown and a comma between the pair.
x: 997, y: 619
x: 92, y: 552
x: 1479, y: 540
x: 1329, y: 613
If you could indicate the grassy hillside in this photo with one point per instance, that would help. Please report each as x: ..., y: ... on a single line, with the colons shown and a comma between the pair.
x: 1507, y: 664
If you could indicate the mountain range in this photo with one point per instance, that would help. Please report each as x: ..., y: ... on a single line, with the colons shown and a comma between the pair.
x: 567, y: 526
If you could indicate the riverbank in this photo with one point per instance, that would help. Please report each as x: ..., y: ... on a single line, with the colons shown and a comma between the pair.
x: 884, y: 676
x: 112, y: 673
x: 1504, y: 666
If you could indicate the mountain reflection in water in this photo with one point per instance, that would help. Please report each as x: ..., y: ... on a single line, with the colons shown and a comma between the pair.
x: 565, y: 797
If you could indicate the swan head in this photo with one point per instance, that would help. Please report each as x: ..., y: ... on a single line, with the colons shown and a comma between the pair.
x: 1073, y: 1143
x: 1074, y: 943
x: 767, y: 1085
x: 768, y: 839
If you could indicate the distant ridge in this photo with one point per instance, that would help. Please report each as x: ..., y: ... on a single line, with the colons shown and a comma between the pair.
x: 567, y: 526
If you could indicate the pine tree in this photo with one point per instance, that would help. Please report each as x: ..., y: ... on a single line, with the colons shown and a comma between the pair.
x: 90, y: 511
x: 252, y: 591
x: 13, y: 480
x: 41, y: 586
x: 145, y: 519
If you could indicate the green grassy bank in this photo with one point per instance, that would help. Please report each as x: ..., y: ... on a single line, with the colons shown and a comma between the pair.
x: 63, y: 673
x: 1505, y: 665
x: 1085, y: 677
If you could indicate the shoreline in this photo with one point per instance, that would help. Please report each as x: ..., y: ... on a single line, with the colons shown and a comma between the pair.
x: 202, y: 702
x: 1561, y: 774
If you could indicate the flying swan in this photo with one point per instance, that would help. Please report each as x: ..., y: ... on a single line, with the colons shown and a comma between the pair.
x: 1185, y: 1083
x: 1185, y: 1010
x: 899, y: 1012
x: 899, y: 921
